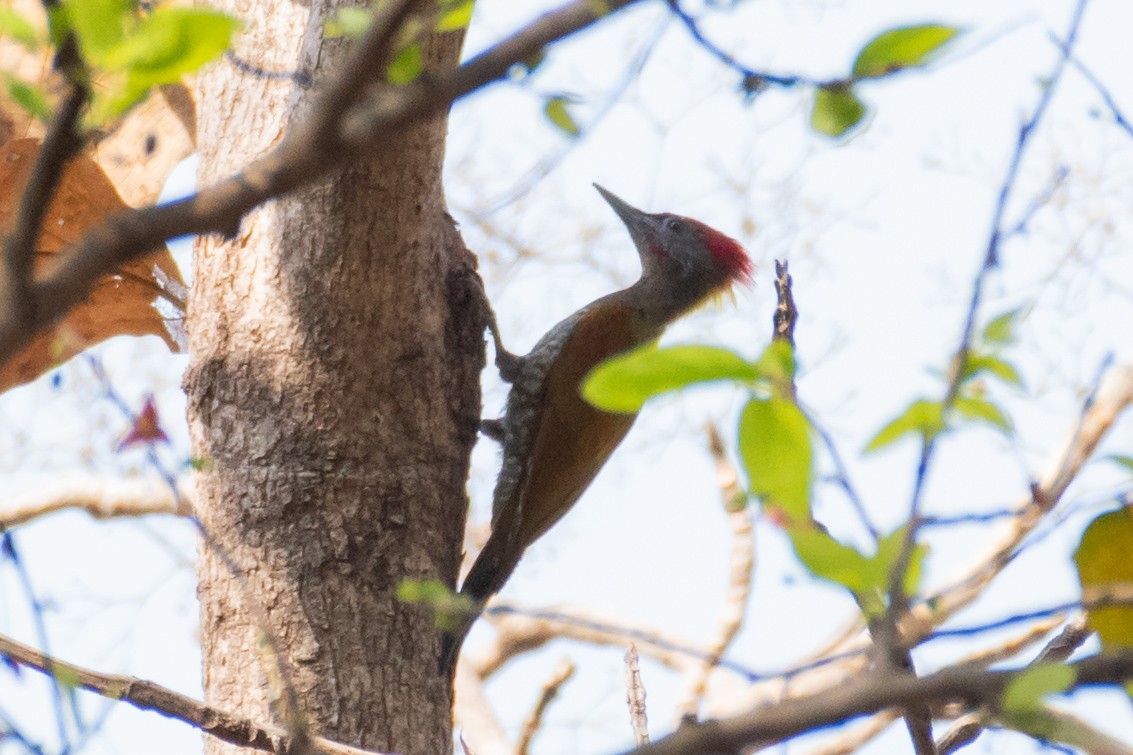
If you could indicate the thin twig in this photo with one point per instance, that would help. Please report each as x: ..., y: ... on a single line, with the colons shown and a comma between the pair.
x: 898, y: 599
x: 560, y: 676
x: 9, y: 549
x: 740, y: 574
x: 635, y: 697
x: 885, y: 632
x: 753, y: 81
x: 1119, y: 118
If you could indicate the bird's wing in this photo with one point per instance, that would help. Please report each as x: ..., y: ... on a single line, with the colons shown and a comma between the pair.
x: 574, y: 439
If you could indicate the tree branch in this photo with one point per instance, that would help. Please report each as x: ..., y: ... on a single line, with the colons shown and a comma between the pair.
x: 309, y: 150
x: 146, y: 695
x: 99, y: 497
x: 866, y: 694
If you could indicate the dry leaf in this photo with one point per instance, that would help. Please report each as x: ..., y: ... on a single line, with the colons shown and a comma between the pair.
x: 146, y: 428
x: 136, y: 153
x: 119, y: 304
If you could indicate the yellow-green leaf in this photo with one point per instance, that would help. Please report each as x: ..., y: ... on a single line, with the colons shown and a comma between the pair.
x: 777, y: 364
x: 625, y: 382
x: 1027, y: 689
x: 349, y: 22
x: 836, y: 110
x: 983, y: 410
x: 775, y: 446
x: 922, y: 417
x: 1124, y: 461
x: 165, y: 45
x: 888, y: 549
x: 16, y: 27
x: 454, y: 15
x: 992, y: 365
x: 30, y: 98
x: 826, y: 558
x: 450, y: 609
x: 406, y: 66
x: 1001, y: 330
x: 556, y: 111
x: 900, y: 48
x: 1105, y: 572
x: 99, y: 25
x: 867, y: 577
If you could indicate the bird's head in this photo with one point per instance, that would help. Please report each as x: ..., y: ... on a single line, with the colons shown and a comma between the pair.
x: 683, y: 252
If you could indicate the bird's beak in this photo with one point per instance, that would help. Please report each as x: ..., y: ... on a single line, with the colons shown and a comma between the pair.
x: 638, y: 222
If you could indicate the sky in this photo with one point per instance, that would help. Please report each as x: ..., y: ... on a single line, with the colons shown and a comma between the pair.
x: 884, y: 232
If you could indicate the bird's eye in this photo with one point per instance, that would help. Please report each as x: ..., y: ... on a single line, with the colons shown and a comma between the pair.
x: 672, y: 224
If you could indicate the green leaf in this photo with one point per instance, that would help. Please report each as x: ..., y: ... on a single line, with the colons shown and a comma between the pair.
x: 867, y: 577
x: 450, y: 609
x: 349, y: 22
x: 775, y: 446
x: 1105, y: 572
x: 454, y: 15
x: 888, y: 549
x: 555, y: 109
x: 172, y: 42
x: 1001, y: 330
x: 826, y: 558
x: 30, y: 98
x: 1027, y: 689
x: 406, y: 66
x: 99, y: 25
x: 924, y: 418
x: 993, y: 365
x: 168, y: 44
x: 777, y: 364
x: 901, y: 48
x: 836, y: 110
x: 983, y: 410
x: 15, y: 26
x: 625, y: 382
x: 1125, y: 461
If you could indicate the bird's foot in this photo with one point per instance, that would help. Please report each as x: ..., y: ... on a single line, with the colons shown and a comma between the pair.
x: 492, y: 428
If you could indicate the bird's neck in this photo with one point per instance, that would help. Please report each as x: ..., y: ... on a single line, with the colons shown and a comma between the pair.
x: 663, y: 299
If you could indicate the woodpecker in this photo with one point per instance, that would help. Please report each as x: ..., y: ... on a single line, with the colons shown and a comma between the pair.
x: 554, y: 443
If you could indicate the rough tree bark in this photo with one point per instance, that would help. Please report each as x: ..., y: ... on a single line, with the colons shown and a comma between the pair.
x: 336, y: 347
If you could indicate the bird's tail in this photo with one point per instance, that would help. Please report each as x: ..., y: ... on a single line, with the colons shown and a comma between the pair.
x: 488, y: 574
x: 450, y: 650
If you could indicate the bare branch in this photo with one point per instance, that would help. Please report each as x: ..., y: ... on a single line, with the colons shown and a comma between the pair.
x: 967, y: 728
x: 145, y: 695
x: 863, y: 695
x: 898, y: 602
x: 742, y: 560
x: 99, y: 497
x: 1113, y: 396
x: 635, y: 697
x: 562, y: 673
x: 519, y: 631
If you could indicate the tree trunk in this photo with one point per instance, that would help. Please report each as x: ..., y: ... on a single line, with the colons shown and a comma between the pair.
x: 336, y: 347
